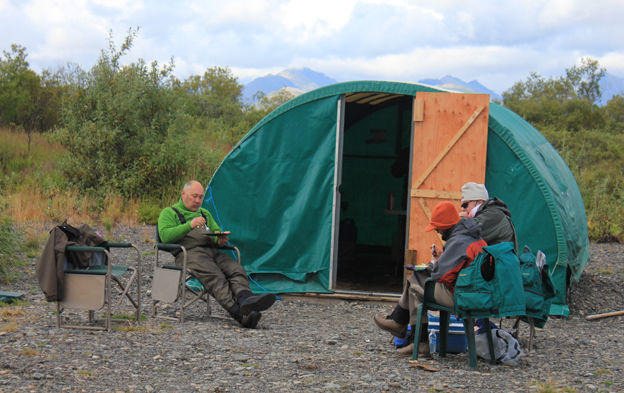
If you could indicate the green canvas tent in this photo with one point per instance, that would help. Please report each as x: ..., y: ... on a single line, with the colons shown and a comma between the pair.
x: 303, y: 192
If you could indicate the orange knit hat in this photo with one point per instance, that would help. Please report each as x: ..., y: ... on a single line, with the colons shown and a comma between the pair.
x: 443, y: 216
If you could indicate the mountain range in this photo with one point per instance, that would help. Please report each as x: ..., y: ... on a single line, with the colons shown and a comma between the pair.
x: 456, y: 84
x: 299, y: 81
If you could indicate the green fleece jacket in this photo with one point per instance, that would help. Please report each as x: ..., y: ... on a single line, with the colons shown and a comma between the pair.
x: 171, y: 229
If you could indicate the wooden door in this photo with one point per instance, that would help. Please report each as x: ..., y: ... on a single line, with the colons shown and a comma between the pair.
x: 448, y: 150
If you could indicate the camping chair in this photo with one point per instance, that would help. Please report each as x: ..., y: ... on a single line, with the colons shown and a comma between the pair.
x: 429, y: 303
x: 172, y: 282
x: 90, y: 289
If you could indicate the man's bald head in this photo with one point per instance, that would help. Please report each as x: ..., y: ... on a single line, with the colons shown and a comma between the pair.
x: 192, y: 195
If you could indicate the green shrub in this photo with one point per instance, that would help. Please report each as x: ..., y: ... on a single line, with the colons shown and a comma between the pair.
x: 596, y: 159
x: 149, y: 211
x: 10, y: 243
x: 123, y: 131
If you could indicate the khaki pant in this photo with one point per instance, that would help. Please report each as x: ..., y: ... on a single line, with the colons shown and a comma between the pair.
x: 222, y: 276
x: 414, y: 294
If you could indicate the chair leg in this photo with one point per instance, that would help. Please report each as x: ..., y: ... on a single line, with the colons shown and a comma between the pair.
x: 531, y: 332
x: 125, y: 290
x: 470, y: 335
x: 488, y: 331
x: 422, y: 313
x: 182, y: 307
x: 59, y: 310
x: 445, y: 318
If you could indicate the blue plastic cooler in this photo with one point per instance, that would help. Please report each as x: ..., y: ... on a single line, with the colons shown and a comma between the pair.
x: 457, y: 341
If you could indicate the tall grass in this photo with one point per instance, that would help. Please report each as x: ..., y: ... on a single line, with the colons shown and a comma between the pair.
x: 36, y: 191
x: 35, y: 195
x: 10, y: 244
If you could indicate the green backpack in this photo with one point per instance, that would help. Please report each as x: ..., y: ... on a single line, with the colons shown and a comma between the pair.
x: 539, y: 290
x: 492, y: 285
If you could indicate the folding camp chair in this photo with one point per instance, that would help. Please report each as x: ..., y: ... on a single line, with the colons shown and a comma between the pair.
x: 172, y: 282
x: 429, y: 303
x: 91, y: 289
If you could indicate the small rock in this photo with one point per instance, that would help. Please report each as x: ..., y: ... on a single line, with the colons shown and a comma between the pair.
x: 332, y: 342
x: 148, y: 388
x: 37, y: 376
x: 590, y: 386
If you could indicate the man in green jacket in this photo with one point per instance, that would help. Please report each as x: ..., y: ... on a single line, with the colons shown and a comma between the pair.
x: 188, y: 224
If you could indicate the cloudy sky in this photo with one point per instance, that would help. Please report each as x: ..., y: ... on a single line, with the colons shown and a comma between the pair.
x: 495, y: 42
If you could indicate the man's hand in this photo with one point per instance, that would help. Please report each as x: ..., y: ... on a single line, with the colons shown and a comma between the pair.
x: 463, y: 214
x: 198, y: 222
x: 222, y: 240
x: 436, y: 252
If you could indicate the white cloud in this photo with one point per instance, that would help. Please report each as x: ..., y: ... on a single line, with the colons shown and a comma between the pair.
x: 496, y: 42
x: 330, y: 13
x: 613, y: 62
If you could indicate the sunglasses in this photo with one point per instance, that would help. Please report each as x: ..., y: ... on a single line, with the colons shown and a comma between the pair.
x: 465, y: 204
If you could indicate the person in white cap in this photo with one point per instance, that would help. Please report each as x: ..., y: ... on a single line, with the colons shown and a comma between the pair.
x: 492, y: 213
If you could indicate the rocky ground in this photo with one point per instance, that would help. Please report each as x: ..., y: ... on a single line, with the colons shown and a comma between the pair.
x: 300, y: 346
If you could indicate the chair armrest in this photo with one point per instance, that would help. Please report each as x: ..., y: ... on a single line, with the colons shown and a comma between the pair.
x: 168, y: 246
x: 226, y: 247
x: 117, y: 245
x: 430, y: 289
x: 85, y: 249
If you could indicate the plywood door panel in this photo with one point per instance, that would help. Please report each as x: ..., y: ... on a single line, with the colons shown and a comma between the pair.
x: 449, y: 150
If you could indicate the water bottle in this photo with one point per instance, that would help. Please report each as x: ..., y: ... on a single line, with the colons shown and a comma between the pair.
x: 432, y: 342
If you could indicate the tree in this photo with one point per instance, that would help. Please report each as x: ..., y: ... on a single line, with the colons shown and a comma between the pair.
x: 122, y: 128
x: 265, y: 104
x: 27, y: 100
x: 615, y: 108
x: 564, y: 101
x: 585, y: 80
x: 215, y: 95
x: 16, y: 81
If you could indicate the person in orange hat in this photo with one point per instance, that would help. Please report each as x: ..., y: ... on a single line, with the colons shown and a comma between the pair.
x: 463, y: 243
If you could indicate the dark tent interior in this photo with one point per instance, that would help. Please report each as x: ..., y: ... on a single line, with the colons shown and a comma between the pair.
x: 375, y: 168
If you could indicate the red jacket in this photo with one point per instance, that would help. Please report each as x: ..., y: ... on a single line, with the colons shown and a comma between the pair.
x: 463, y: 243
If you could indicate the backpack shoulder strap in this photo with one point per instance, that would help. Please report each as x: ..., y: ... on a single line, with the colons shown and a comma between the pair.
x: 180, y: 216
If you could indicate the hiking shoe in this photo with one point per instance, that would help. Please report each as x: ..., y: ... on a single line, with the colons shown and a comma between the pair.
x: 408, y: 351
x: 257, y: 303
x: 390, y: 326
x: 251, y: 321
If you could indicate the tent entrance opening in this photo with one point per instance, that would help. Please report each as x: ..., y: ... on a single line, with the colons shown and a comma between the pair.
x: 373, y: 192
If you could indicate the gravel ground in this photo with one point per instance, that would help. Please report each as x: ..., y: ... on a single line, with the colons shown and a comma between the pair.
x: 300, y: 346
